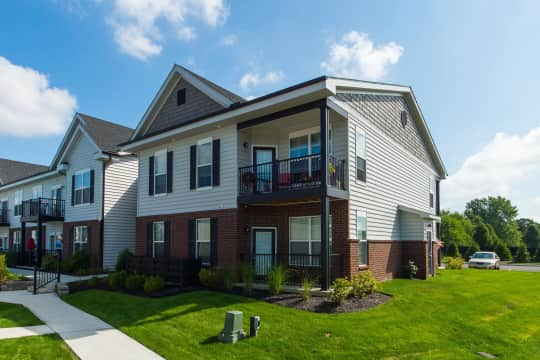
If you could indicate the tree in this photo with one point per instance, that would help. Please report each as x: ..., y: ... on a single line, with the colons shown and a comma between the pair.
x: 532, y: 237
x: 471, y: 250
x: 537, y: 255
x: 500, y: 214
x: 456, y: 228
x: 524, y: 224
x: 483, y: 236
x: 453, y: 250
x: 522, y: 254
x: 503, y: 251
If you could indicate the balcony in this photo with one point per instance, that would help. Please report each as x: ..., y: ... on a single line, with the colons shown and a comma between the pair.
x: 42, y: 209
x: 4, y: 220
x: 289, y: 179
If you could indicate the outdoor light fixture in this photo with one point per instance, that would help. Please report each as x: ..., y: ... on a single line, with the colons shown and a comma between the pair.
x: 232, y: 331
x: 246, y: 144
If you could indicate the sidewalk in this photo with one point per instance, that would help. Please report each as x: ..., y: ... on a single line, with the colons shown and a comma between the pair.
x: 63, y: 278
x: 88, y: 336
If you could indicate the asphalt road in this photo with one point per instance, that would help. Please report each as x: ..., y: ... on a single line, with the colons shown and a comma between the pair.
x: 530, y: 268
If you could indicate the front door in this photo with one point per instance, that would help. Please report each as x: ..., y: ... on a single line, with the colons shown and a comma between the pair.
x: 263, y: 250
x: 263, y: 158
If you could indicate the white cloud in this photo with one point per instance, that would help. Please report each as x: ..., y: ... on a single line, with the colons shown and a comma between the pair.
x: 509, y: 165
x: 137, y: 23
x: 254, y: 79
x: 29, y: 106
x: 229, y: 40
x: 356, y: 56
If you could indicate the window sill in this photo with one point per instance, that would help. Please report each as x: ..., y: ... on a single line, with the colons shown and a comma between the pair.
x: 205, y: 188
x: 81, y: 205
x: 159, y: 195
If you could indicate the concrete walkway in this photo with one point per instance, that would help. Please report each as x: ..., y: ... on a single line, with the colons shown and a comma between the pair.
x: 63, y: 278
x: 17, y: 332
x: 88, y: 336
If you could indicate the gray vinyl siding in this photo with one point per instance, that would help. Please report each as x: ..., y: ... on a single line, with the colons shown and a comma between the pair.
x: 183, y: 199
x: 394, y: 177
x: 197, y: 104
x: 81, y: 157
x: 120, y: 209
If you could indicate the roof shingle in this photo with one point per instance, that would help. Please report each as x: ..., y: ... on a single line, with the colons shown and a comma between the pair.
x: 11, y: 170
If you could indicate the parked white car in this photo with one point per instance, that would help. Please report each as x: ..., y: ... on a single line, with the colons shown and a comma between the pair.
x: 484, y: 260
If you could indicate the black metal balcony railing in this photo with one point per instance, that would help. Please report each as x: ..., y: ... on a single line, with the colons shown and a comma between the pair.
x: 290, y: 174
x: 4, y: 220
x: 43, y: 208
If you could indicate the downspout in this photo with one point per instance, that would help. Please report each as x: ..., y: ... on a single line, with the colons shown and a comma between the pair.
x: 102, y: 225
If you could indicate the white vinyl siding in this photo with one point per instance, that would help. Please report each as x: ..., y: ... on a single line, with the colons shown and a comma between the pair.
x: 182, y: 199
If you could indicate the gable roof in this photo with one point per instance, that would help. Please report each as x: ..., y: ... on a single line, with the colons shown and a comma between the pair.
x: 12, y: 170
x: 106, y: 135
x: 218, y: 94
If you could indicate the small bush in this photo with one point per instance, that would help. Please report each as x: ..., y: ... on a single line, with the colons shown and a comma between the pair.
x: 537, y: 255
x: 121, y: 260
x: 3, y: 269
x: 135, y: 282
x: 363, y: 283
x: 340, y: 290
x: 453, y: 263
x: 79, y: 264
x: 117, y: 280
x: 247, y: 274
x: 153, y: 284
x: 410, y: 269
x: 275, y: 279
x: 307, y: 284
x: 208, y: 278
x: 503, y: 251
x: 522, y: 254
x: 227, y: 278
x: 453, y: 250
x: 94, y: 281
x: 48, y: 262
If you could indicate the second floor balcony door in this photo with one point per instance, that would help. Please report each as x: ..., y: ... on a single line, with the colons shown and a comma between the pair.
x: 263, y: 158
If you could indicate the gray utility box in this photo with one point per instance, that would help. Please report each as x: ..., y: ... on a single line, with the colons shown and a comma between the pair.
x: 232, y: 331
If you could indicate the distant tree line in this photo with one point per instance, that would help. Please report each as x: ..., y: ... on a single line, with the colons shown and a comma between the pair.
x: 490, y: 224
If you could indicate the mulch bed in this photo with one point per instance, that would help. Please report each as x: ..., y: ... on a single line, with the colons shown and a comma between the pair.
x: 322, y: 305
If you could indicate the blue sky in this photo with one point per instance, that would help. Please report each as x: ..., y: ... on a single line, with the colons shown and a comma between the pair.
x: 472, y: 64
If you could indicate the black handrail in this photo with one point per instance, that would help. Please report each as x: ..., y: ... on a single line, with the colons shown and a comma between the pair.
x: 49, y: 270
x: 290, y: 174
x: 43, y: 207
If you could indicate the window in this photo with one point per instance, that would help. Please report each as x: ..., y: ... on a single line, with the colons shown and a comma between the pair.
x: 204, y: 163
x: 17, y: 240
x: 431, y: 191
x: 361, y: 234
x: 305, y: 240
x: 37, y: 191
x: 4, y: 243
x: 17, y: 203
x: 82, y: 187
x: 158, y: 240
x: 202, y: 247
x: 80, y: 240
x: 160, y: 172
x: 181, y: 97
x: 56, y: 192
x: 360, y: 155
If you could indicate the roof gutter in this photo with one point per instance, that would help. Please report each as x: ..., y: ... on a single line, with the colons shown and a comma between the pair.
x: 30, y: 179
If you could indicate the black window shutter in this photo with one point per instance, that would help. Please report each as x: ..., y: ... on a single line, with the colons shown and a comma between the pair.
x: 92, y: 183
x: 72, y: 190
x: 167, y: 238
x: 151, y: 175
x: 192, y: 237
x: 213, y: 241
x: 215, y: 162
x: 192, y: 167
x: 169, y: 171
x: 149, y: 239
x: 72, y: 239
x: 89, y: 236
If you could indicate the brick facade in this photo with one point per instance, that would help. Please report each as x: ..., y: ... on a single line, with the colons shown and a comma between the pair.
x: 95, y: 242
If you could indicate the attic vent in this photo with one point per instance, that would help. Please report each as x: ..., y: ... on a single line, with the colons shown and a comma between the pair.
x: 181, y: 97
x: 403, y: 118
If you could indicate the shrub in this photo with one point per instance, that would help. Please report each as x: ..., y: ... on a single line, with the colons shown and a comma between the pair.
x: 307, y: 284
x: 453, y: 263
x: 48, y: 262
x: 94, y: 281
x: 153, y: 284
x: 121, y: 260
x: 410, y: 269
x: 191, y: 268
x: 247, y: 274
x: 208, y: 278
x: 363, y: 283
x: 117, y: 280
x: 135, y: 282
x: 522, y: 254
x: 503, y: 251
x: 340, y: 290
x: 79, y: 264
x: 3, y: 269
x: 537, y: 255
x: 275, y: 279
x: 453, y: 250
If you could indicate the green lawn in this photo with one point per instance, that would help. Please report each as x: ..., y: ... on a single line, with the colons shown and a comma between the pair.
x: 46, y: 347
x: 16, y: 315
x: 450, y: 317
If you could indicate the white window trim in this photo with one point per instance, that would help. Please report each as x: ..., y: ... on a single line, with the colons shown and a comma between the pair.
x: 431, y: 191
x: 197, y: 241
x: 77, y: 173
x: 162, y: 152
x: 310, y: 241
x: 17, y: 239
x: 357, y: 130
x: 162, y: 223
x: 4, y: 240
x: 55, y: 188
x: 360, y: 213
x: 75, y: 240
x: 40, y: 187
x: 15, y: 202
x: 202, y: 142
